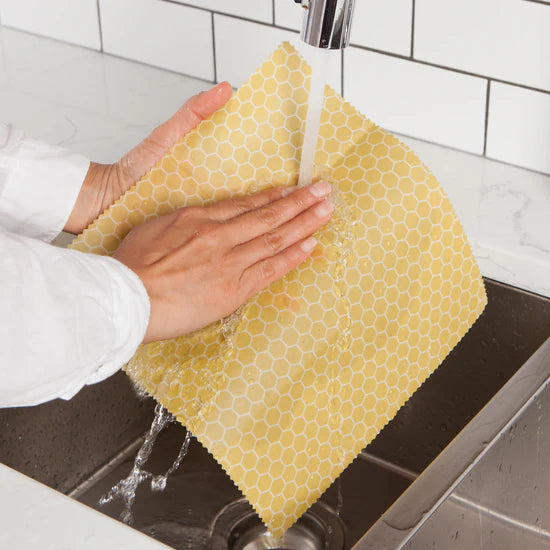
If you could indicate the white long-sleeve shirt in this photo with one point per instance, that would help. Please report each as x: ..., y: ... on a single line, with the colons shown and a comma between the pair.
x: 67, y: 319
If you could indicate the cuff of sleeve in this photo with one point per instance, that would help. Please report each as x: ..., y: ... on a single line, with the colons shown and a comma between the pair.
x: 130, y: 317
x: 41, y: 185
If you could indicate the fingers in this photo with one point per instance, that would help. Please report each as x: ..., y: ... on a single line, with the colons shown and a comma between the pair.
x: 145, y: 155
x: 193, y: 111
x: 273, y: 242
x: 235, y: 206
x: 252, y: 224
x: 263, y: 273
x: 206, y: 103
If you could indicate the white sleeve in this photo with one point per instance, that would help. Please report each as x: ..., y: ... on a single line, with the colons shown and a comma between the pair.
x: 39, y: 184
x: 68, y: 319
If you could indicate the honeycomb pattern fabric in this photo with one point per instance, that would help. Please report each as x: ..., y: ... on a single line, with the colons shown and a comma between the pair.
x: 288, y: 391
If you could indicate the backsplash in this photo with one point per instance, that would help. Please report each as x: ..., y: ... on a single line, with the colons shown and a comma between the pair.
x: 473, y: 75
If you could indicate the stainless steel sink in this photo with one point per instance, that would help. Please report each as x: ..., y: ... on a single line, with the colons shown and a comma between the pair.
x: 490, y: 487
x: 83, y: 447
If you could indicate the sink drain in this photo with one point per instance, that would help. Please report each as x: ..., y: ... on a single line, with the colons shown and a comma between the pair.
x: 238, y: 527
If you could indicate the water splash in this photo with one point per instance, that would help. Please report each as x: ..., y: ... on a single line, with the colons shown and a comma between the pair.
x: 158, y: 482
x: 126, y: 488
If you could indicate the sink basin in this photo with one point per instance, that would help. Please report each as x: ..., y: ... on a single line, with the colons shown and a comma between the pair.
x: 85, y: 446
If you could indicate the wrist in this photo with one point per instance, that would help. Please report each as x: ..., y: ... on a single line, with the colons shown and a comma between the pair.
x: 91, y: 199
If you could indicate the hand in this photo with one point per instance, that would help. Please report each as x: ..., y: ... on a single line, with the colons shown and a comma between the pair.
x: 200, y: 264
x: 105, y: 183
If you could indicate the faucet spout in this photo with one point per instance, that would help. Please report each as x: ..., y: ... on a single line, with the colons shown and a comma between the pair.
x: 327, y: 23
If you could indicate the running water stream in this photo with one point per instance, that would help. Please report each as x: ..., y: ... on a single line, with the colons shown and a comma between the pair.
x: 319, y: 67
x: 126, y: 488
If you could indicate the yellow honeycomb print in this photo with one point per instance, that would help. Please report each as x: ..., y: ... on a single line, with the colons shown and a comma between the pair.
x: 286, y: 393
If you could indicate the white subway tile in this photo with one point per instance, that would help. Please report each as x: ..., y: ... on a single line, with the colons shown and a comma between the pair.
x: 138, y: 94
x: 382, y: 25
x: 288, y: 14
x: 242, y: 46
x: 64, y: 74
x: 163, y: 34
x: 73, y: 21
x: 504, y: 39
x: 417, y: 100
x: 519, y: 127
x: 260, y: 10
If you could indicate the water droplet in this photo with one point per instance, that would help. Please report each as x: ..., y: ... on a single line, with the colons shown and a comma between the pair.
x: 326, y: 238
x: 193, y: 407
x: 228, y: 352
x: 206, y: 410
x: 250, y: 374
x: 219, y: 381
x: 158, y: 483
x: 332, y: 253
x: 340, y: 288
x: 339, y: 271
x: 344, y: 341
x: 344, y: 323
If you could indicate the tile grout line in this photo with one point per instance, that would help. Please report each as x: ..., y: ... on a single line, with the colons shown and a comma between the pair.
x: 399, y: 134
x: 413, y: 13
x: 366, y: 48
x: 214, y: 48
x: 374, y: 50
x: 487, y: 99
x: 216, y: 12
x: 99, y: 24
x: 451, y: 69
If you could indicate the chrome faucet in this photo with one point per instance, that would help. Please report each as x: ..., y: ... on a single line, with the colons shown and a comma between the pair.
x: 327, y: 23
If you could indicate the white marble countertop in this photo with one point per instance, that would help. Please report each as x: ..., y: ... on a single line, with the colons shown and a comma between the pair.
x: 100, y: 106
x: 37, y: 517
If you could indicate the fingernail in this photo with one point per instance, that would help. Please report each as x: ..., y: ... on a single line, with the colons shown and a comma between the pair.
x: 288, y: 190
x: 324, y: 209
x: 308, y: 244
x: 320, y: 189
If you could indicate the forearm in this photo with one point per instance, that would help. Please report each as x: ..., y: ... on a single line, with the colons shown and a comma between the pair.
x: 94, y: 197
x: 39, y: 185
x: 69, y: 319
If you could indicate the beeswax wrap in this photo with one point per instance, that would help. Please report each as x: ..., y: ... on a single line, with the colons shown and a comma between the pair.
x: 286, y: 393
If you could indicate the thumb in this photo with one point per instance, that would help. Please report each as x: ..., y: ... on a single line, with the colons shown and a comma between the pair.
x: 143, y: 157
x: 193, y: 111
